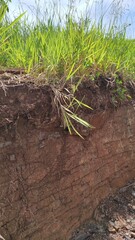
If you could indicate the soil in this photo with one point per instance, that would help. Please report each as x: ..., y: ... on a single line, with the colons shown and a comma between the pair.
x: 114, y: 219
x: 99, y: 94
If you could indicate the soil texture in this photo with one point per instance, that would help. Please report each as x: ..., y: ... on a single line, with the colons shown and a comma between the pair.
x: 114, y: 219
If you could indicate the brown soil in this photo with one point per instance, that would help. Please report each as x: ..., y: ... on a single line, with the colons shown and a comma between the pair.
x: 100, y: 94
x: 114, y: 219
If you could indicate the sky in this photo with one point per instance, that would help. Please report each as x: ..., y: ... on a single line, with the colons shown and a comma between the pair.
x: 94, y: 10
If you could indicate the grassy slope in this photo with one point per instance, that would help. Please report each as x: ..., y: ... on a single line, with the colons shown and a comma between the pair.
x: 81, y: 49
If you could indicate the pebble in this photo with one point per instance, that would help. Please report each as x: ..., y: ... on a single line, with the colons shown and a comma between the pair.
x: 111, y: 229
x: 133, y: 193
x: 128, y: 220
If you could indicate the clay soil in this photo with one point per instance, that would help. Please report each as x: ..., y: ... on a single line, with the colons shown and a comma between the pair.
x: 114, y: 219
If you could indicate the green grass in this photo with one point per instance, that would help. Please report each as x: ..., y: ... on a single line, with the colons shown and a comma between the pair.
x: 76, y: 48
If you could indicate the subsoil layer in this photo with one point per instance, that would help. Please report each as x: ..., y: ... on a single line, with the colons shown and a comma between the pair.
x: 114, y: 219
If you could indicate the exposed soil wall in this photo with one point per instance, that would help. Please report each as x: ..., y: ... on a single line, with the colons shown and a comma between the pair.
x: 51, y: 182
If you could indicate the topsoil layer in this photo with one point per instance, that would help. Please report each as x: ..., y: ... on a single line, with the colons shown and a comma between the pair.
x: 100, y: 94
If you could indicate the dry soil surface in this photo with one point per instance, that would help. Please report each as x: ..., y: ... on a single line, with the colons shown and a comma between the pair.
x: 114, y: 219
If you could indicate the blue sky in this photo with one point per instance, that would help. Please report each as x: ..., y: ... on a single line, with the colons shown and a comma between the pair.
x: 128, y: 9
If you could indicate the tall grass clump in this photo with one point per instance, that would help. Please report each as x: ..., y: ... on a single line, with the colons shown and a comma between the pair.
x: 74, y: 47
